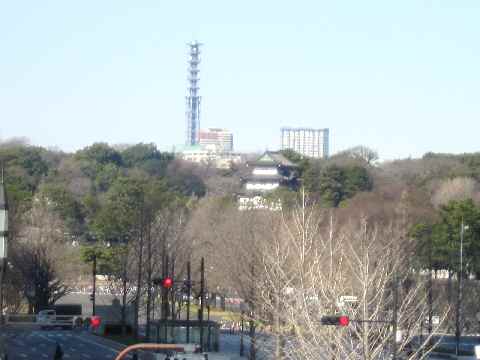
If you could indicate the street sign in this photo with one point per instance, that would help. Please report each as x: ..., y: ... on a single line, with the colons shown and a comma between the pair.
x: 435, y: 319
x: 348, y: 298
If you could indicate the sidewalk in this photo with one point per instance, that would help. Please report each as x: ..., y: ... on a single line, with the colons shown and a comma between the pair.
x: 230, y: 348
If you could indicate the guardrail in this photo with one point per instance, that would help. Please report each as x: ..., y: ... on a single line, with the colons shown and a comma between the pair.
x: 32, y: 320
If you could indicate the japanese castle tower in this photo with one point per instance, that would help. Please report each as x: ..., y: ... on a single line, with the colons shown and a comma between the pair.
x: 269, y: 172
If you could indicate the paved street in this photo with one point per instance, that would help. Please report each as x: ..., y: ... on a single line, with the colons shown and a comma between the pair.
x: 39, y: 344
x: 24, y: 344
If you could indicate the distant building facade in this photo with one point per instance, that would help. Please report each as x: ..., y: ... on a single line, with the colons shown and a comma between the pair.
x: 220, y: 139
x: 269, y: 172
x: 209, y: 155
x: 306, y: 141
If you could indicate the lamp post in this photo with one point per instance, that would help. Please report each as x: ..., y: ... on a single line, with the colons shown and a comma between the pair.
x: 458, y: 320
x: 3, y: 241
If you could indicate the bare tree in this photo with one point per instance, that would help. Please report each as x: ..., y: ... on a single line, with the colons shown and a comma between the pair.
x: 460, y: 188
x: 41, y: 254
x: 361, y: 153
x: 316, y: 263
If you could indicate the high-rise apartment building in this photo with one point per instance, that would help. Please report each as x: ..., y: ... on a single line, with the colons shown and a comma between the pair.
x: 220, y: 140
x: 306, y: 141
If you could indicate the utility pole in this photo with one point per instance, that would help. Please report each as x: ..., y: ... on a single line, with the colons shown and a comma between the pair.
x: 394, y: 317
x: 430, y: 285
x: 94, y: 280
x: 458, y: 319
x: 3, y: 241
x: 189, y: 293
x: 165, y: 307
x: 202, y: 300
x: 172, y: 292
x: 253, y: 340
x: 242, y: 316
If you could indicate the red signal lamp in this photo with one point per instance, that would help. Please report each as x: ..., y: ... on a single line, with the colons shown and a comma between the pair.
x: 341, y: 320
x: 95, y: 321
x: 167, y: 282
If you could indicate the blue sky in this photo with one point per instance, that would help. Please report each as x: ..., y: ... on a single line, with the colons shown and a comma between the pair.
x: 401, y: 77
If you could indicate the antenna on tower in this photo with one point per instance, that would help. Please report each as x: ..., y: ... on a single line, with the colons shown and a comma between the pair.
x: 192, y: 100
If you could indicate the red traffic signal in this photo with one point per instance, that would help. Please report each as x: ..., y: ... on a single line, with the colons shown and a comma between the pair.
x: 95, y: 321
x: 167, y: 282
x: 341, y: 320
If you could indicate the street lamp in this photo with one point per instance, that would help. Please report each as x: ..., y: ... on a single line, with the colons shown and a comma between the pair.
x: 3, y: 240
x: 458, y: 320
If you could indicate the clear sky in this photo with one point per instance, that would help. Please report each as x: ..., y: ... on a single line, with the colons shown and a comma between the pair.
x: 402, y: 77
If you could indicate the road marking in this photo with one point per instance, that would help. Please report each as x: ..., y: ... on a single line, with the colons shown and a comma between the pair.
x: 46, y: 338
x: 97, y: 344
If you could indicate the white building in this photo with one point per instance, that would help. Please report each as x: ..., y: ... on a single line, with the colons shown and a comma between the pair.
x: 269, y: 172
x: 306, y: 141
x: 208, y: 155
x: 221, y: 139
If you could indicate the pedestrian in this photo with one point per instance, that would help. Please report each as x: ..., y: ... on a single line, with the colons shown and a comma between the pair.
x: 3, y: 349
x: 58, y: 352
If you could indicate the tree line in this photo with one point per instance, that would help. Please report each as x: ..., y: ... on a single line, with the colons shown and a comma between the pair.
x: 132, y: 207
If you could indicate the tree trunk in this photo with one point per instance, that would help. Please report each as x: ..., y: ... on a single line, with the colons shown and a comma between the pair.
x: 124, y: 298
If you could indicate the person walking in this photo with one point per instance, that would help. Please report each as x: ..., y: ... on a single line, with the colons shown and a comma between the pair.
x: 3, y: 349
x: 58, y: 352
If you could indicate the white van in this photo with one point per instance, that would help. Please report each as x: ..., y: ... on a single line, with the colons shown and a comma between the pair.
x: 46, y: 318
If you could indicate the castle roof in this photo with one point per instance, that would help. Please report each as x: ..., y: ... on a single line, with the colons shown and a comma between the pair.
x: 272, y: 158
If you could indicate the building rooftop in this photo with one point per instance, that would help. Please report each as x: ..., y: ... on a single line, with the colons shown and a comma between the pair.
x: 273, y: 158
x: 303, y: 128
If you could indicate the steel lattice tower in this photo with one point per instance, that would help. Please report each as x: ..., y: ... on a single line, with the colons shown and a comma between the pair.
x: 192, y: 100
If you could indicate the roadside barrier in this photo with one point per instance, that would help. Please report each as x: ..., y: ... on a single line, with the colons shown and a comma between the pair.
x: 32, y: 320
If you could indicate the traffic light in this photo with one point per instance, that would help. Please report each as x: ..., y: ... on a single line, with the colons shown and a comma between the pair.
x: 92, y: 297
x: 95, y: 321
x: 166, y: 282
x: 341, y: 320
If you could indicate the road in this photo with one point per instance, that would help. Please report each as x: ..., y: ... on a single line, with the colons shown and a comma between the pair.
x: 40, y: 344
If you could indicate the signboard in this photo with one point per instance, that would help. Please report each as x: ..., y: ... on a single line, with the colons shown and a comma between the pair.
x: 398, y: 336
x: 348, y: 298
